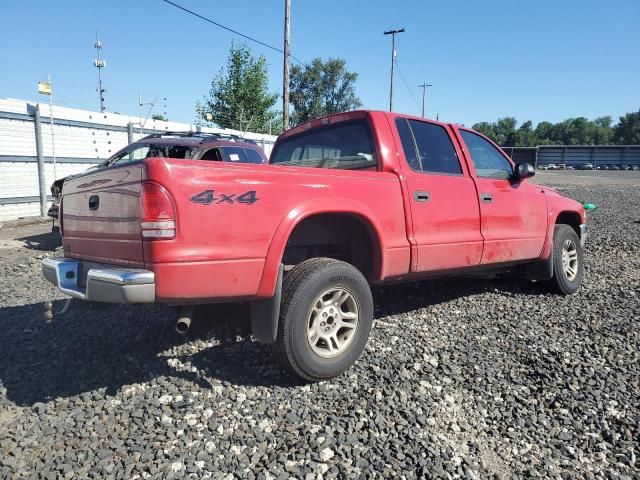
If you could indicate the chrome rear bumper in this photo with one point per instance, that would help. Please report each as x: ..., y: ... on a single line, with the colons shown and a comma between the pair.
x: 98, y: 282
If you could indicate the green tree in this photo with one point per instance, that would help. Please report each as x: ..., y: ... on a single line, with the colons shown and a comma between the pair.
x: 543, y: 133
x: 159, y: 116
x: 603, y: 131
x: 239, y: 97
x: 627, y: 131
x: 526, y: 135
x: 505, y: 131
x: 485, y: 128
x: 322, y: 88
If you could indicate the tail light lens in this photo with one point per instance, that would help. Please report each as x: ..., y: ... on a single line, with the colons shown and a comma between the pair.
x: 60, y: 217
x: 157, y: 219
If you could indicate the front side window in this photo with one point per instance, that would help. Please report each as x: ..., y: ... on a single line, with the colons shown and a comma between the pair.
x: 347, y: 145
x: 211, y: 154
x: 435, y: 150
x: 487, y: 160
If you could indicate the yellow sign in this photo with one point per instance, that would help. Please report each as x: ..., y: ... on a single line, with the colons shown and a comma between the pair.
x: 44, y: 87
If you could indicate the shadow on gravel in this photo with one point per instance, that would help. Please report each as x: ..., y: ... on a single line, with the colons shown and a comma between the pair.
x: 95, y: 347
x: 406, y: 297
x: 45, y: 241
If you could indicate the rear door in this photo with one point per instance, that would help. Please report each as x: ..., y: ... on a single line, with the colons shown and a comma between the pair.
x: 513, y: 213
x: 444, y: 203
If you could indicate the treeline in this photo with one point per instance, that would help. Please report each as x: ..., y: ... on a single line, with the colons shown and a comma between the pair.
x: 573, y: 131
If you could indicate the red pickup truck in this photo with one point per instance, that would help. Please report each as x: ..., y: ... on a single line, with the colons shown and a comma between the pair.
x: 349, y: 200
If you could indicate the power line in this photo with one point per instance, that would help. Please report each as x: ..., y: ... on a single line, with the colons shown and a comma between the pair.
x: 201, y: 17
x: 415, y: 100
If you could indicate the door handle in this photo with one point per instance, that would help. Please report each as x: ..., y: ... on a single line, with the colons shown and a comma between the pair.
x: 486, y: 197
x: 421, y: 196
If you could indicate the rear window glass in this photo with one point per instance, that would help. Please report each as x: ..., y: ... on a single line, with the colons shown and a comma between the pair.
x: 343, y: 146
x: 253, y: 156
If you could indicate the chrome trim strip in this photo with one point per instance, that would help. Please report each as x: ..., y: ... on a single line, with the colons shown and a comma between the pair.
x: 121, y: 277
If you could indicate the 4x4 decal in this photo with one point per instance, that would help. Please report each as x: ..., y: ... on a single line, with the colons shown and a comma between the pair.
x: 209, y: 197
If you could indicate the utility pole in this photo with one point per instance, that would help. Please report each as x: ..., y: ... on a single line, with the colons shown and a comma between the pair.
x: 99, y: 63
x: 142, y: 104
x: 424, y: 87
x: 393, y: 59
x: 53, y: 143
x: 285, y: 79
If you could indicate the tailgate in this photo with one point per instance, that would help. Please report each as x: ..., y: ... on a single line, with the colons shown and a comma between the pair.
x: 101, y: 216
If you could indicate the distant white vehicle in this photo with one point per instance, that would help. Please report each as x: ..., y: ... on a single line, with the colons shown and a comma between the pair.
x: 552, y: 166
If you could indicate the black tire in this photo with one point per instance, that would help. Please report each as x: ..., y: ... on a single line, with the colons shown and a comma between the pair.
x: 561, y: 282
x: 301, y: 288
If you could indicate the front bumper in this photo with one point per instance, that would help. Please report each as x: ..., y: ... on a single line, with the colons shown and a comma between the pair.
x: 99, y: 282
x: 583, y: 234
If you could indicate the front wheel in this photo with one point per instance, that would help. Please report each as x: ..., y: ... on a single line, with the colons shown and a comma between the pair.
x: 568, y: 269
x: 325, y: 318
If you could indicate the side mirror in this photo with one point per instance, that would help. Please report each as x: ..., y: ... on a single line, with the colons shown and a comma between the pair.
x: 524, y: 170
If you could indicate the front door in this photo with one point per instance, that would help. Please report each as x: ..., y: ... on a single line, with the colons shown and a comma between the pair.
x: 513, y: 213
x: 444, y: 204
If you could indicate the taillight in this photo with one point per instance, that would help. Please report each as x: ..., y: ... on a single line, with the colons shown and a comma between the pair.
x: 157, y: 216
x: 60, y: 218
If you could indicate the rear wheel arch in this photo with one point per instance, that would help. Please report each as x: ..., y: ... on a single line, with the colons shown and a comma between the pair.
x: 357, y: 214
x: 345, y: 236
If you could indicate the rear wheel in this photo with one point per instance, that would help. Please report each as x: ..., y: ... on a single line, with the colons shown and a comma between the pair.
x: 567, y: 254
x: 325, y: 318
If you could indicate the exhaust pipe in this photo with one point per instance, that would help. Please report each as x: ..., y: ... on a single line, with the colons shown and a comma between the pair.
x: 184, y: 322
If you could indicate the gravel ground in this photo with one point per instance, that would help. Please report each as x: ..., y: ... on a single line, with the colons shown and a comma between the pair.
x: 461, y: 378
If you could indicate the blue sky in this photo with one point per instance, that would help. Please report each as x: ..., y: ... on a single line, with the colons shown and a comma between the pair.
x: 538, y: 60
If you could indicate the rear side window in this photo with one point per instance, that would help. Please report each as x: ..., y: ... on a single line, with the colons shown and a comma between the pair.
x: 233, y: 154
x: 435, y: 150
x: 488, y: 162
x: 347, y: 145
x: 253, y: 156
x: 408, y: 145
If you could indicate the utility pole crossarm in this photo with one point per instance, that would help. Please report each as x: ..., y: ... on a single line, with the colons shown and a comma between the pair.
x: 393, y: 57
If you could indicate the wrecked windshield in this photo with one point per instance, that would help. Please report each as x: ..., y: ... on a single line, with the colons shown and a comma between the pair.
x: 141, y: 152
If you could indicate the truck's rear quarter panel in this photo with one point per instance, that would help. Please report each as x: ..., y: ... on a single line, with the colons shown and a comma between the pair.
x: 221, y: 246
